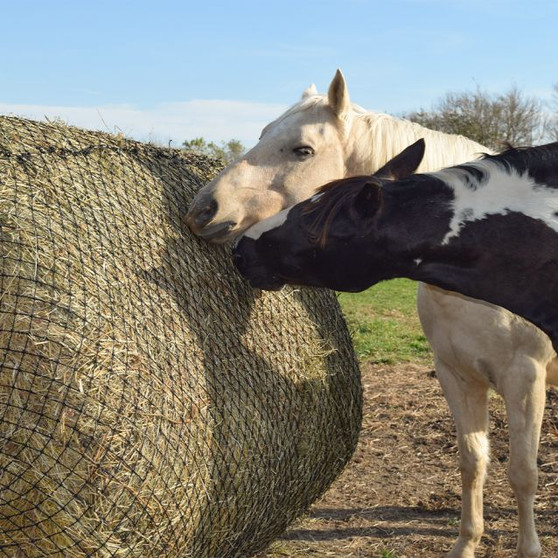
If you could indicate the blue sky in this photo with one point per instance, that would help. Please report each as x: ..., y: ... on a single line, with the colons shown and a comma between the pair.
x: 166, y: 69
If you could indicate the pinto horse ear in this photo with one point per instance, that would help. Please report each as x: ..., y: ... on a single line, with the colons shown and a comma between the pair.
x: 404, y: 164
x: 312, y: 90
x: 338, y: 95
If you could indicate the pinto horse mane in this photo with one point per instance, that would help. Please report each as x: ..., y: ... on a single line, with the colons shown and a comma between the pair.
x: 523, y: 158
x: 538, y: 162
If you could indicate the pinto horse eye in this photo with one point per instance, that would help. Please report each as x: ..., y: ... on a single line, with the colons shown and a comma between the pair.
x: 304, y: 152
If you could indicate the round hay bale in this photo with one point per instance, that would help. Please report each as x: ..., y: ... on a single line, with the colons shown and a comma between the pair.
x: 151, y: 403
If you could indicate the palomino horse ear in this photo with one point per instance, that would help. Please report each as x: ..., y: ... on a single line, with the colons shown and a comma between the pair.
x: 338, y: 95
x: 403, y: 164
x: 309, y: 92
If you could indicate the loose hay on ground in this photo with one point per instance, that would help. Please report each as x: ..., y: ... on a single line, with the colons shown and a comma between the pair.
x: 151, y: 404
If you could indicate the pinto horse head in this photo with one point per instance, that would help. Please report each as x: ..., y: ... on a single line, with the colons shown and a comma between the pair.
x: 321, y: 241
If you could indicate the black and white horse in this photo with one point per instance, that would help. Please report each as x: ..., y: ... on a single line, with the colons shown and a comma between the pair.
x: 487, y: 229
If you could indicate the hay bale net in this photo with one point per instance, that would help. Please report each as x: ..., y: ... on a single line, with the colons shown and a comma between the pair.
x: 151, y: 403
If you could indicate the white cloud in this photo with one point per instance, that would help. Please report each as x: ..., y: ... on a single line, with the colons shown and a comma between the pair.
x: 215, y: 120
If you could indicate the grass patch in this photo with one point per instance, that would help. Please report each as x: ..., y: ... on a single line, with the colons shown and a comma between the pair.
x: 384, y: 323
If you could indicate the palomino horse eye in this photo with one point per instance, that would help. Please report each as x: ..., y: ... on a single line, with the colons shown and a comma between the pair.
x: 304, y: 152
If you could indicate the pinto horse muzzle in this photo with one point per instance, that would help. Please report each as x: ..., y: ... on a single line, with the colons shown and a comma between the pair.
x: 250, y: 268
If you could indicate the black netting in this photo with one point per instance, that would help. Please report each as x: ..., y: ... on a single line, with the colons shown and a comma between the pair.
x: 151, y: 403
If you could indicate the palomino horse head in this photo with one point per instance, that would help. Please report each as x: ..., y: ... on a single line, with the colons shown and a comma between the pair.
x: 301, y: 150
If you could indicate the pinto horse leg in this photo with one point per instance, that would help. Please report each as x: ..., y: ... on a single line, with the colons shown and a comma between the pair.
x: 468, y: 402
x: 525, y: 394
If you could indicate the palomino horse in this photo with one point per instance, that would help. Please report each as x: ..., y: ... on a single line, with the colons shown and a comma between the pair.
x: 487, y: 229
x: 476, y: 345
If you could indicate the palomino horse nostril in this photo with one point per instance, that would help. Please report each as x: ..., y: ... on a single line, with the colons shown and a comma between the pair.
x: 205, y: 214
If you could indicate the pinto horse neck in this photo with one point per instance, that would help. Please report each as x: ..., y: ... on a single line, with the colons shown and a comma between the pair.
x: 488, y: 230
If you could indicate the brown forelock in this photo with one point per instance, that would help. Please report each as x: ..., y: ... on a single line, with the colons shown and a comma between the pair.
x: 335, y: 196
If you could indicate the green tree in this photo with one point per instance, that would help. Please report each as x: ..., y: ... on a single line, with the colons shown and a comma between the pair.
x: 227, y: 151
x: 488, y: 119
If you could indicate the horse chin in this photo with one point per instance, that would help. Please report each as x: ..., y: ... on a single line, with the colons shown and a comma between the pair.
x: 220, y: 233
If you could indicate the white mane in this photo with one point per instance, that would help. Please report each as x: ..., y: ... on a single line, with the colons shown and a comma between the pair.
x: 389, y: 135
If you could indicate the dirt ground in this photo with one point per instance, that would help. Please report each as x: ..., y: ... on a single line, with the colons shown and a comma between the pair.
x: 400, y: 495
